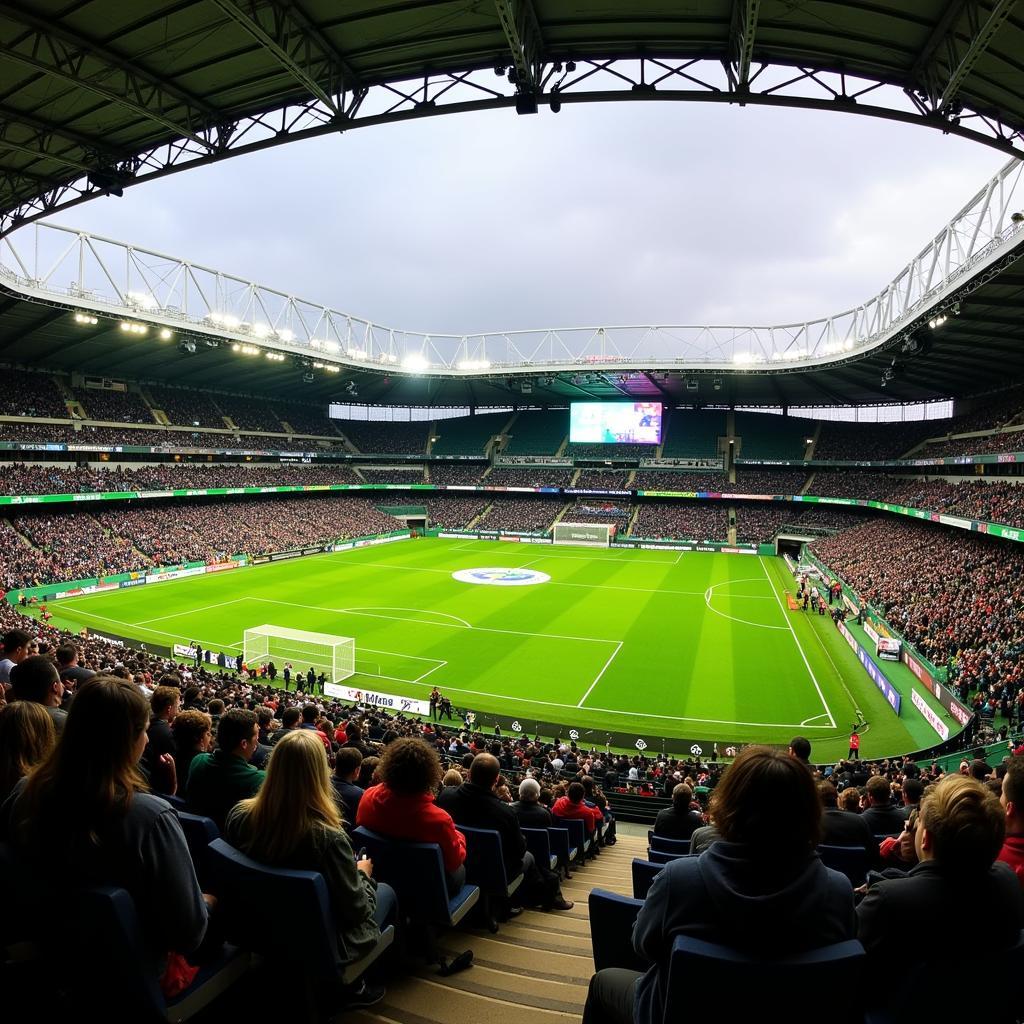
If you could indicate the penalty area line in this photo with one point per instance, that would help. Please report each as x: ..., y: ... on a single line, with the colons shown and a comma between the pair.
x: 597, y: 678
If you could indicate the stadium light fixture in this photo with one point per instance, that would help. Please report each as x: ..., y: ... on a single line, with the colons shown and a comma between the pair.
x: 937, y: 321
x: 129, y: 327
x: 474, y: 364
x: 286, y: 335
x: 166, y: 334
x: 224, y: 320
x: 86, y: 318
x: 142, y: 299
x: 415, y: 362
x: 1017, y: 218
x: 357, y: 353
x: 275, y: 357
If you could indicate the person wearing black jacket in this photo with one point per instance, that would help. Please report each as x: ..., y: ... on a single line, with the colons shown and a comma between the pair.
x: 678, y: 821
x: 844, y: 828
x: 475, y: 805
x: 528, y: 809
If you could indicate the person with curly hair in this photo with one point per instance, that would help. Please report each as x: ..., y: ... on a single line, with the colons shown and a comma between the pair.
x: 402, y: 806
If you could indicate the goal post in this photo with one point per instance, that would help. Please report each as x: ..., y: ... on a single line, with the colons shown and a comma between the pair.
x: 334, y: 656
x: 587, y: 535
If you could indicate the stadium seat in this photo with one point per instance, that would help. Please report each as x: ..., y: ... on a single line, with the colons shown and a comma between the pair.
x: 643, y: 872
x: 563, y: 848
x: 611, y: 930
x: 485, y: 867
x: 661, y: 857
x: 665, y: 845
x: 416, y: 872
x: 111, y: 972
x: 538, y: 842
x: 915, y: 996
x: 852, y: 861
x: 199, y: 832
x: 761, y: 986
x: 577, y: 835
x: 302, y: 906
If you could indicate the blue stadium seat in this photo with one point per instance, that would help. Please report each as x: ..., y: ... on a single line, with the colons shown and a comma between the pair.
x: 643, y: 872
x: 563, y: 848
x: 416, y: 872
x: 577, y: 835
x: 485, y: 867
x: 767, y: 986
x: 852, y: 861
x: 538, y: 842
x: 611, y: 930
x: 114, y: 978
x: 661, y: 857
x: 302, y: 906
x: 665, y: 845
x: 199, y: 832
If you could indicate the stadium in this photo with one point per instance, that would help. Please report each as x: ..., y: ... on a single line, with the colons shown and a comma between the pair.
x: 635, y: 564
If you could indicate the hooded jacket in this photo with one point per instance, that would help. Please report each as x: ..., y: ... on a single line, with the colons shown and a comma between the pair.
x: 735, y: 896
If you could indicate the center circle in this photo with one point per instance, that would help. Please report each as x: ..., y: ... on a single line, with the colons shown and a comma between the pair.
x: 501, y: 577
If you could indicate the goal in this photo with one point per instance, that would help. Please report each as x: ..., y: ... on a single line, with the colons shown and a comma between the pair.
x: 334, y: 656
x: 587, y: 535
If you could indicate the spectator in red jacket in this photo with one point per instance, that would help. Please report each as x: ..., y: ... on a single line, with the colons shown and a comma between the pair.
x: 402, y: 805
x: 1012, y: 800
x: 572, y: 806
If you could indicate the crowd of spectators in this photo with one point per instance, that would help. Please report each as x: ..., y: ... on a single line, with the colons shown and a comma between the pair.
x: 382, y: 437
x: 579, y: 450
x: 955, y: 596
x: 525, y: 515
x: 456, y: 473
x: 609, y: 510
x: 683, y: 521
x: 42, y: 433
x: 186, y: 408
x: 602, y: 480
x: 454, y: 512
x: 529, y: 476
x: 250, y: 413
x: 987, y: 444
x: 666, y: 480
x: 31, y: 394
x: 396, y: 475
x: 116, y: 406
x: 760, y: 522
x: 767, y: 481
x: 862, y: 442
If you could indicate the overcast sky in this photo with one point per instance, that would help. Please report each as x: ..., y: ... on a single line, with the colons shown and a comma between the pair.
x: 602, y: 214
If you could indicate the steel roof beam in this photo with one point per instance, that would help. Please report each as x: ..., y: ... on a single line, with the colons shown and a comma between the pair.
x: 53, y: 50
x: 742, y: 32
x: 944, y: 63
x: 289, y: 36
x: 522, y: 30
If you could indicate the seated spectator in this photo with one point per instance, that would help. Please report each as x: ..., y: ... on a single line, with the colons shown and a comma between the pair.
x: 347, y: 793
x: 15, y: 650
x: 402, y: 806
x: 680, y: 820
x: 36, y: 679
x: 528, y: 809
x: 368, y: 774
x: 958, y: 835
x: 71, y: 672
x: 475, y: 805
x: 1012, y: 800
x: 293, y: 822
x: 762, y: 872
x: 217, y: 781
x: 290, y: 719
x: 84, y: 816
x: 193, y: 734
x: 843, y: 827
x: 571, y: 806
x: 883, y: 819
x: 158, y: 759
x: 912, y: 790
x: 452, y: 778
x: 27, y: 736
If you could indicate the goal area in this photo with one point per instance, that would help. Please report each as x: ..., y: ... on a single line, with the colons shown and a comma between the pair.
x: 585, y: 535
x: 334, y: 656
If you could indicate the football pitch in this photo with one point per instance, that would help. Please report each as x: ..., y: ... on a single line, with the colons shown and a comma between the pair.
x: 688, y: 645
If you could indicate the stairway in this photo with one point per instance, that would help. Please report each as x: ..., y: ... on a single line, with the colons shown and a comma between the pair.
x: 534, y: 971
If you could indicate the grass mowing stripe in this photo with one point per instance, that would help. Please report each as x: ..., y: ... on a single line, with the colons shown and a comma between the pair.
x: 782, y: 608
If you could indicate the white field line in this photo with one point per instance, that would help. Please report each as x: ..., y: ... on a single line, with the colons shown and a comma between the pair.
x: 597, y: 678
x: 426, y: 622
x: 401, y: 618
x: 839, y: 675
x: 796, y: 639
x: 725, y: 615
x: 191, y: 611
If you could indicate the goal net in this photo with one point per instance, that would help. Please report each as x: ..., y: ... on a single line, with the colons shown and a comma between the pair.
x: 334, y: 656
x: 587, y: 535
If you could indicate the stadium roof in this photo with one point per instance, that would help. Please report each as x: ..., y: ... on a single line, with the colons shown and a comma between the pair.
x: 96, y: 95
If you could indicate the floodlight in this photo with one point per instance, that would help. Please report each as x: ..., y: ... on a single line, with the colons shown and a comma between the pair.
x: 415, y: 362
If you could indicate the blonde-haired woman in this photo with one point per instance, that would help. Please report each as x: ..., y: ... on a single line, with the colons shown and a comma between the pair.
x: 294, y: 822
x: 27, y: 736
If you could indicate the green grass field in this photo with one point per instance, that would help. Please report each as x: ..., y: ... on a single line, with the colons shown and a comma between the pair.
x: 678, y: 644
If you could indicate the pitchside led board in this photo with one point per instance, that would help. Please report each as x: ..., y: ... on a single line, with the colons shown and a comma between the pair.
x: 615, y: 422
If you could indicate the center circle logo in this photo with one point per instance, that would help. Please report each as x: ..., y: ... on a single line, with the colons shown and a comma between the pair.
x: 497, y: 577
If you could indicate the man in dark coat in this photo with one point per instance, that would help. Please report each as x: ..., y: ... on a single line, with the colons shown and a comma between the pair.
x: 678, y: 821
x: 475, y: 805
